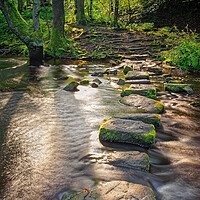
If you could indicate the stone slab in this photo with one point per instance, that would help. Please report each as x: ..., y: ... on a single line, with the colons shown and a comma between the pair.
x: 135, y: 75
x: 127, y: 131
x: 143, y: 104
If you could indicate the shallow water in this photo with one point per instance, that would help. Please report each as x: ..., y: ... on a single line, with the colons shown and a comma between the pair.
x: 49, y: 139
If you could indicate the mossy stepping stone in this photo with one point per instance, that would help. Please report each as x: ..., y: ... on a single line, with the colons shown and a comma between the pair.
x: 143, y: 104
x: 84, y: 82
x: 144, y: 90
x: 135, y: 75
x: 127, y: 131
x: 127, y: 69
x: 71, y: 86
x: 146, y: 118
x: 178, y: 88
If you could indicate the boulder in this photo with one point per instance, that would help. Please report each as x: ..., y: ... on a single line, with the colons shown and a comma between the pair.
x: 127, y: 131
x: 84, y: 82
x: 94, y: 85
x: 65, y: 77
x: 146, y: 118
x: 143, y: 104
x: 121, y: 82
x: 71, y: 86
x: 144, y: 90
x: 178, y: 88
x: 135, y: 75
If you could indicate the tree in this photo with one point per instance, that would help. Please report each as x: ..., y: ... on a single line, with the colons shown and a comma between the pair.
x: 80, y: 12
x: 26, y: 33
x: 57, y: 42
x: 116, y: 13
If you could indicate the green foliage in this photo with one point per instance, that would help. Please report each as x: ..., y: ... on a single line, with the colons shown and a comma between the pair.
x: 142, y: 26
x: 185, y: 52
x: 6, y: 64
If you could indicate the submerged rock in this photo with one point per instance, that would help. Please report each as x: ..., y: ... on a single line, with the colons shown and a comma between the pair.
x: 146, y: 118
x: 71, y: 86
x: 177, y: 88
x: 127, y: 131
x: 116, y: 190
x: 84, y: 82
x: 65, y: 77
x: 143, y: 104
x: 94, y: 85
x: 121, y: 82
x: 96, y: 80
x: 99, y: 74
x: 134, y: 75
x: 144, y: 90
x: 130, y: 159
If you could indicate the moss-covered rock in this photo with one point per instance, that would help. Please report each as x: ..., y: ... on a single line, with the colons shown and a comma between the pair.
x: 195, y: 103
x: 127, y: 131
x: 135, y: 75
x: 121, y: 82
x: 140, y: 103
x: 176, y: 81
x: 84, y: 82
x: 146, y: 118
x: 127, y: 69
x: 178, y: 88
x: 147, y: 91
x: 94, y: 85
x: 71, y: 86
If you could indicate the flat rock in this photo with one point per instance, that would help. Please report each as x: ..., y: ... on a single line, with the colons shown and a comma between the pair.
x: 144, y: 90
x: 178, y: 88
x: 130, y: 159
x: 146, y: 118
x: 116, y: 190
x: 135, y: 75
x: 143, y: 104
x: 127, y: 131
x: 143, y: 81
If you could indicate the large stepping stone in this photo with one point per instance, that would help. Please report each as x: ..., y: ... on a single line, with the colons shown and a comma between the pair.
x: 130, y: 159
x: 127, y: 131
x: 142, y: 81
x: 135, y: 75
x: 144, y: 90
x: 114, y: 190
x: 142, y: 104
x: 146, y: 118
x: 177, y: 88
x: 71, y: 86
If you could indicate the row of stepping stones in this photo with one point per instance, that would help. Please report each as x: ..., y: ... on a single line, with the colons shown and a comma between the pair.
x: 138, y: 128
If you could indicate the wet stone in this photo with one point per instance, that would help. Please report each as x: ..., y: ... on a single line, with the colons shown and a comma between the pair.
x: 146, y: 118
x: 143, y: 104
x: 178, y: 88
x: 84, y: 82
x: 94, y: 85
x: 96, y: 80
x: 135, y: 75
x: 143, y: 81
x: 127, y: 131
x: 144, y: 90
x: 127, y: 69
x: 71, y: 86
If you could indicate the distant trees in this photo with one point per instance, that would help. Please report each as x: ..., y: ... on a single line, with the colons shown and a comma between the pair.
x: 80, y: 12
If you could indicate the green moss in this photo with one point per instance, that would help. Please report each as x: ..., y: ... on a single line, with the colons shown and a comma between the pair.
x: 159, y: 106
x: 147, y: 93
x: 173, y: 88
x: 176, y: 81
x: 84, y: 81
x: 127, y: 69
x: 195, y: 103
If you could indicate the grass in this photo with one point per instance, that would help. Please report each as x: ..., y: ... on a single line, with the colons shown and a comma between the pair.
x: 5, y: 64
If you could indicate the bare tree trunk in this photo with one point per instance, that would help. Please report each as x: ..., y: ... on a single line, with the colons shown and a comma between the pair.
x: 80, y: 15
x: 32, y: 39
x: 36, y: 13
x: 90, y: 9
x: 116, y: 13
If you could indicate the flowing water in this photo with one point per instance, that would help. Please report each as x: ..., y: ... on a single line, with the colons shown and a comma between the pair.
x: 49, y: 139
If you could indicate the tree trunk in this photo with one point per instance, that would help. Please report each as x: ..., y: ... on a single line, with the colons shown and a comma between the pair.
x: 57, y: 36
x: 32, y: 39
x: 116, y: 13
x: 90, y: 9
x: 80, y: 15
x: 36, y: 13
x: 20, y: 5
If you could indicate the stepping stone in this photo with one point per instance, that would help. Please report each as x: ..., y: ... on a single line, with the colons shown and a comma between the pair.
x: 146, y: 118
x: 144, y: 90
x: 130, y: 159
x: 127, y: 69
x: 71, y: 86
x: 116, y: 190
x: 143, y: 81
x: 127, y: 131
x: 142, y: 104
x: 84, y: 82
x: 177, y: 88
x: 135, y: 75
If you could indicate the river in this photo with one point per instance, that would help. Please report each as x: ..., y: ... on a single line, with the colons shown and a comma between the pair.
x: 49, y: 139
